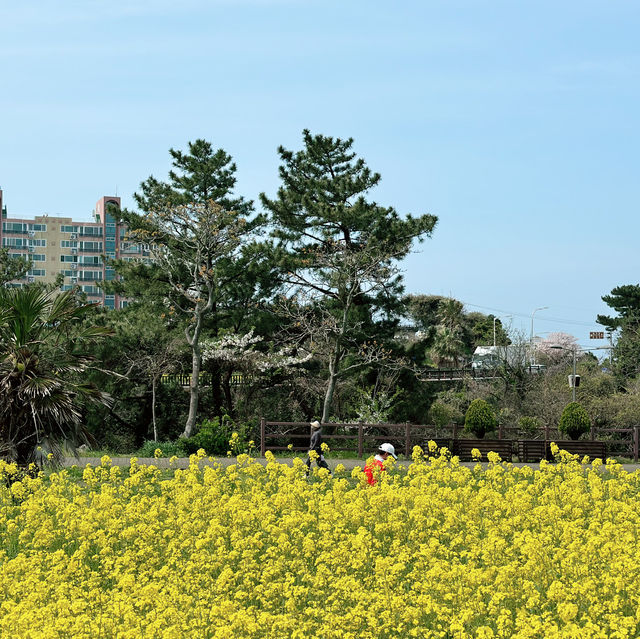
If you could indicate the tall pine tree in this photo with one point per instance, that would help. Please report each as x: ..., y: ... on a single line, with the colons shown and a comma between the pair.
x: 340, y: 253
x: 190, y: 218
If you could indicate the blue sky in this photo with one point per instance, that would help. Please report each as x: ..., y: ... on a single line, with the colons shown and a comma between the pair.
x: 516, y: 123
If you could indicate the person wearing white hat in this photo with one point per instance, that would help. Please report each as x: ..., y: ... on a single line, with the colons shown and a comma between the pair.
x: 384, y: 450
x: 316, y: 445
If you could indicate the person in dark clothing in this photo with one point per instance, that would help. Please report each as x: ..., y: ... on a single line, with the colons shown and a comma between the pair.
x: 316, y: 445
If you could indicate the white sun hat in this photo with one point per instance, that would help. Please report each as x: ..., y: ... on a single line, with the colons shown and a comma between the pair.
x: 388, y: 448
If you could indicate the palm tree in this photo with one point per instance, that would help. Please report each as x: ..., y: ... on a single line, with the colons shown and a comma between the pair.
x: 448, y: 343
x: 450, y: 314
x: 447, y: 347
x: 44, y: 337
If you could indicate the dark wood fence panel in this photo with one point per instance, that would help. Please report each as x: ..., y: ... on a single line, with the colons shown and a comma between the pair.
x: 528, y: 446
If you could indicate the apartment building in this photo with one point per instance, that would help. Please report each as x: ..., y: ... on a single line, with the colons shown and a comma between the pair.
x: 75, y: 249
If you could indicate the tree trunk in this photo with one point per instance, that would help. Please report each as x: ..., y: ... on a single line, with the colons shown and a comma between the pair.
x: 334, y: 365
x: 194, y: 386
x: 331, y: 385
x: 153, y: 408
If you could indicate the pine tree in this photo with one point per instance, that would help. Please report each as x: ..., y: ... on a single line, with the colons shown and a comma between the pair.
x: 625, y: 300
x: 12, y: 268
x: 190, y: 219
x: 339, y: 252
x: 198, y: 176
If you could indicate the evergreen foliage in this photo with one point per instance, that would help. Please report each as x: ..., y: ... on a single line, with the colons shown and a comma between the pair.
x: 574, y: 420
x: 12, y: 268
x: 338, y: 253
x: 210, y: 267
x: 200, y: 175
x: 625, y: 300
x: 479, y: 418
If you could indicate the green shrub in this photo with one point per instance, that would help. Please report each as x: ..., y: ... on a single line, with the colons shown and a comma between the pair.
x: 480, y: 418
x: 214, y: 436
x: 574, y: 420
x: 169, y: 449
x: 440, y: 414
x: 529, y: 425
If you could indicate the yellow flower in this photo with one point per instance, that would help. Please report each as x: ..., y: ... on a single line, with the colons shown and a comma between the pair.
x: 436, y: 550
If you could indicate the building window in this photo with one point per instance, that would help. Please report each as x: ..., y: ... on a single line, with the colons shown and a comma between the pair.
x: 90, y: 246
x: 91, y: 230
x: 14, y: 227
x: 13, y: 241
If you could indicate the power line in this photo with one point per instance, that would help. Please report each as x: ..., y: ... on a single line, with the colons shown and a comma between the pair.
x: 528, y: 315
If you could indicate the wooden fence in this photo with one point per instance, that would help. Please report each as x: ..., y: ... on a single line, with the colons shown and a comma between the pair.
x: 364, y: 439
x: 184, y: 379
x: 456, y: 374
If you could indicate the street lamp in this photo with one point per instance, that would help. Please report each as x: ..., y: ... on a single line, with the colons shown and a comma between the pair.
x: 575, y: 351
x: 541, y: 308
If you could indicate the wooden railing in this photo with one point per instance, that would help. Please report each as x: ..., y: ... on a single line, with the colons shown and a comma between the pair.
x: 456, y: 374
x: 184, y: 379
x: 363, y: 439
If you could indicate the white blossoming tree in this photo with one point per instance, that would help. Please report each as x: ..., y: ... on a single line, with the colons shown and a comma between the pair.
x: 238, y: 353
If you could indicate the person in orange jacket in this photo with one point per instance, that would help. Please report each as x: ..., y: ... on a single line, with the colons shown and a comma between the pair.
x: 378, y: 462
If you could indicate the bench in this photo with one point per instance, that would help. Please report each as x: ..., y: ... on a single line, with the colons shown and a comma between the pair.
x: 595, y: 450
x: 532, y: 450
x: 463, y: 447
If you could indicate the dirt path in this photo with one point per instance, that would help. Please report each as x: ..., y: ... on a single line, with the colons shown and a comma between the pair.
x: 183, y: 462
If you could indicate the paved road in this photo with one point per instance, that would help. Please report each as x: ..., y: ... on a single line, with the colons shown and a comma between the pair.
x: 183, y: 462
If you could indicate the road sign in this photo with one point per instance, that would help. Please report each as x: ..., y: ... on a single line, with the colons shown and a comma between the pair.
x: 596, y: 335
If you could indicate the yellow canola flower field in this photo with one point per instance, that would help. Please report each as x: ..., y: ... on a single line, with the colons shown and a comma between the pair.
x: 252, y: 550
